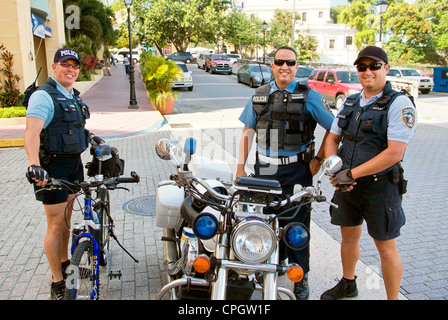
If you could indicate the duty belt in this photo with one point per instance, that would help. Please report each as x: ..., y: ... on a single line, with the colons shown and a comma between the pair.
x: 375, y: 177
x: 281, y: 161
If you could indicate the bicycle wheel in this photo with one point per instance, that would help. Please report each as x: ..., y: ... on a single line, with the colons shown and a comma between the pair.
x: 81, y: 283
x: 103, y: 210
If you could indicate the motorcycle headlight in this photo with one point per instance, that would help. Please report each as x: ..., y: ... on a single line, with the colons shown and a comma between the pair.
x: 253, y: 241
x: 296, y: 235
x: 205, y: 226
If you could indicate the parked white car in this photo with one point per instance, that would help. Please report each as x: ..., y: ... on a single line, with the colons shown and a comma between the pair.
x: 201, y: 60
x: 233, y: 57
x: 425, y: 83
x: 118, y: 57
x: 186, y: 81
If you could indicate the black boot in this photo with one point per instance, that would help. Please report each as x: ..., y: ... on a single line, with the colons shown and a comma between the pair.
x: 344, y: 289
x: 301, y: 289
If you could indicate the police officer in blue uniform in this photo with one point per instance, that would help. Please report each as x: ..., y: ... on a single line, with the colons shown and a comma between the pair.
x: 55, y: 136
x: 374, y: 127
x: 283, y: 114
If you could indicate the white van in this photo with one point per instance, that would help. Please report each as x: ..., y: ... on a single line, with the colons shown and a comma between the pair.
x: 118, y: 57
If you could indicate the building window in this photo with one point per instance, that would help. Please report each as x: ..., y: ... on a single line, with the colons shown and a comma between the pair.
x: 348, y: 40
x: 321, y: 14
x: 303, y: 16
x: 332, y: 43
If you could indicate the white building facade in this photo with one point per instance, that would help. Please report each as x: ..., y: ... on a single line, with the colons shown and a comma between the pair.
x: 336, y: 43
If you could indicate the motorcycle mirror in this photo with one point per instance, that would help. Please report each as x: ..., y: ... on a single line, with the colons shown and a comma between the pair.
x: 332, y: 165
x: 165, y: 149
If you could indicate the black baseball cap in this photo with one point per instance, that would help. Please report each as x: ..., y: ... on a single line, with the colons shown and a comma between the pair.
x: 65, y: 54
x: 372, y: 52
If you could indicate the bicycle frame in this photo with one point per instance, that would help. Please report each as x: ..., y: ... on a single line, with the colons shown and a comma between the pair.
x: 90, y: 233
x: 94, y: 232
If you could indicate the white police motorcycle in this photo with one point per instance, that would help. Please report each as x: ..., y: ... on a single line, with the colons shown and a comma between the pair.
x: 218, y: 243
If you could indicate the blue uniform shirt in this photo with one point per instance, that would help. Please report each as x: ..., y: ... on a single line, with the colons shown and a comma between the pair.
x: 316, y: 105
x: 41, y: 104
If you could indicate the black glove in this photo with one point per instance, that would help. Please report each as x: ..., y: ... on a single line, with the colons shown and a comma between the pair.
x: 343, y: 180
x: 96, y: 141
x: 36, y: 172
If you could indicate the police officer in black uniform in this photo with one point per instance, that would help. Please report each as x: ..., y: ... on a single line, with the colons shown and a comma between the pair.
x: 283, y: 114
x: 374, y: 127
x: 55, y: 136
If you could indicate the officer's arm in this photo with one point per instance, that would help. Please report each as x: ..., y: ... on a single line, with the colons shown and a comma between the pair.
x: 246, y: 140
x: 390, y: 156
x: 33, y: 128
x: 331, y: 144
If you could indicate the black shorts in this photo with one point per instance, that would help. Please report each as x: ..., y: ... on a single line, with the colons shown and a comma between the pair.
x: 69, y: 169
x: 378, y: 203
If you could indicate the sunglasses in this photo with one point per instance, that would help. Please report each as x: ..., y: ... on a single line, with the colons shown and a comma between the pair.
x: 281, y: 62
x: 373, y: 66
x: 66, y: 65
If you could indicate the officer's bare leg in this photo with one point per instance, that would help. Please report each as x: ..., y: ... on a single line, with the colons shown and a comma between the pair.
x: 350, y: 250
x: 391, y: 266
x: 66, y: 228
x: 53, y: 242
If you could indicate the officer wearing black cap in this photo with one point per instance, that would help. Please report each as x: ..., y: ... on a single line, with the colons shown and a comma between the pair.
x: 55, y: 136
x: 374, y: 127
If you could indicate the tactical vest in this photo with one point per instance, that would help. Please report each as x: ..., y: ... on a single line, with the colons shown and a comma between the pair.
x: 65, y: 134
x: 364, y: 129
x: 282, y: 117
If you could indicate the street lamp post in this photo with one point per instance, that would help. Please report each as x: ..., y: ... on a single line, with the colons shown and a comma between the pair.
x: 293, y: 27
x: 264, y: 25
x: 132, y: 100
x: 256, y: 34
x: 381, y: 7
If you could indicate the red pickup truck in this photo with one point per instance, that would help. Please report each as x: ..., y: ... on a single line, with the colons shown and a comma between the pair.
x: 218, y: 62
x: 335, y: 85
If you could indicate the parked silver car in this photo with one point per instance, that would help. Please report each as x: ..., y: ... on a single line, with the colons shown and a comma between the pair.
x: 253, y: 74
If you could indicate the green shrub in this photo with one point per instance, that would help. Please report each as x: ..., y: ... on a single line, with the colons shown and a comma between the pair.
x: 12, y: 112
x: 158, y: 76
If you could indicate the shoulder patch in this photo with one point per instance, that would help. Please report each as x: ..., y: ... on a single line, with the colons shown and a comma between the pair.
x: 326, y: 105
x: 408, y: 117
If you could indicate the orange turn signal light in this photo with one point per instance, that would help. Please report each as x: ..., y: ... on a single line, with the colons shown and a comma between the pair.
x: 201, y: 264
x: 295, y: 273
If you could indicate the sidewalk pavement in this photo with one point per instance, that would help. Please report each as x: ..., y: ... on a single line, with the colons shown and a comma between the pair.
x: 109, y: 115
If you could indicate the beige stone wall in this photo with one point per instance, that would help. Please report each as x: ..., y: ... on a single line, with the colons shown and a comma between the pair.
x: 16, y: 35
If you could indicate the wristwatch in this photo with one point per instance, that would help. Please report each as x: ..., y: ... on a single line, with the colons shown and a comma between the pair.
x: 321, y: 160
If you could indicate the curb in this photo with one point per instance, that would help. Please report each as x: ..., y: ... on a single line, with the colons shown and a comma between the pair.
x: 9, y: 143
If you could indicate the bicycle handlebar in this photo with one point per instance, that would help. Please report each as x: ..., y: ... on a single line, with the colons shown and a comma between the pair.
x: 54, y: 183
